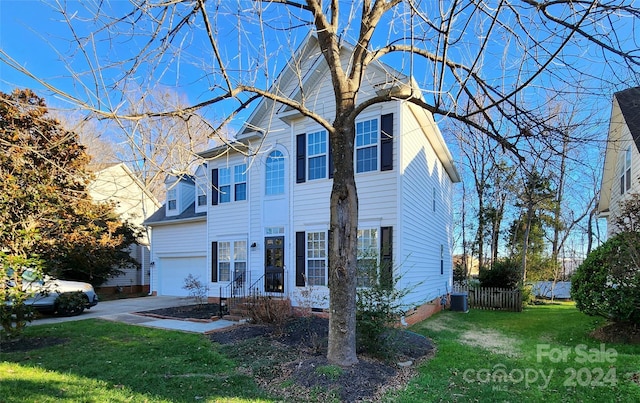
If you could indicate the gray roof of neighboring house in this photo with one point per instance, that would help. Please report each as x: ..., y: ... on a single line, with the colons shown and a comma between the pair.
x: 160, y: 216
x: 629, y: 102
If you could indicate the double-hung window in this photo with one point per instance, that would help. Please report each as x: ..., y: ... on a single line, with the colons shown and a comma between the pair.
x: 172, y: 200
x: 224, y: 261
x: 231, y: 183
x: 367, y: 134
x: 367, y: 257
x: 202, y: 195
x: 240, y: 181
x: 316, y: 258
x: 224, y: 183
x: 239, y: 261
x: 317, y: 155
x: 625, y: 172
x: 232, y: 261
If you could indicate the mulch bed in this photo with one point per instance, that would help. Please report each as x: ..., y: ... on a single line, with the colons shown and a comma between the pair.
x: 618, y: 333
x: 186, y: 312
x: 30, y: 343
x: 294, y: 353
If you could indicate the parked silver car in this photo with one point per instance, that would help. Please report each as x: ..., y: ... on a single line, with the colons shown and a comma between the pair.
x: 50, y: 294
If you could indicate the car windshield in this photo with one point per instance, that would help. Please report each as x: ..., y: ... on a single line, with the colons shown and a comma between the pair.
x: 28, y: 275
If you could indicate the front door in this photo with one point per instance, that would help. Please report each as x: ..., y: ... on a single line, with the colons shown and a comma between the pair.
x: 274, y: 264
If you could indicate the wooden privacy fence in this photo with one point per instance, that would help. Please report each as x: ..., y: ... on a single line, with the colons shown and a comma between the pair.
x: 493, y: 298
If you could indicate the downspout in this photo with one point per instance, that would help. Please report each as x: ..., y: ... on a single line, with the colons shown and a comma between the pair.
x: 151, y: 269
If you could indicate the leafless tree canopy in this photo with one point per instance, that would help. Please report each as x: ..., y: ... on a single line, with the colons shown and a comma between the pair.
x: 488, y: 64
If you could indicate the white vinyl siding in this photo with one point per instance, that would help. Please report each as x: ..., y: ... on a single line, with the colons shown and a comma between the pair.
x: 178, y: 241
x: 424, y: 246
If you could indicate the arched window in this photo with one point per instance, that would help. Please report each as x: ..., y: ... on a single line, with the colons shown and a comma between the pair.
x: 274, y: 184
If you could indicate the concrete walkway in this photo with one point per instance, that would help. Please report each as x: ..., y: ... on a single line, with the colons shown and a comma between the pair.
x: 122, y: 310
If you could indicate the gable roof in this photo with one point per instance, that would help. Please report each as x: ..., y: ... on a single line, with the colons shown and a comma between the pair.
x: 160, y: 216
x: 629, y: 103
x: 625, y: 112
x: 309, y: 56
x: 102, y: 170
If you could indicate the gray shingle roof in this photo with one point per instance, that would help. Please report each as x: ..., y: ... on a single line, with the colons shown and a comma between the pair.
x: 629, y: 102
x: 160, y: 216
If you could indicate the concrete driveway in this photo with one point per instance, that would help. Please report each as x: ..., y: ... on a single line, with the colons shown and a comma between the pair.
x: 122, y: 310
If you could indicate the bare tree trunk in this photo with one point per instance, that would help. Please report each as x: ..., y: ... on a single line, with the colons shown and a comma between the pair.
x: 525, y: 242
x: 497, y: 223
x: 343, y: 248
x: 590, y: 229
x: 465, y: 265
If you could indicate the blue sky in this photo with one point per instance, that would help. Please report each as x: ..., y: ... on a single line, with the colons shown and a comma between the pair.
x: 27, y: 31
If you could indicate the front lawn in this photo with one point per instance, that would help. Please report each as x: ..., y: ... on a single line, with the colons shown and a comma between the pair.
x: 104, y: 361
x: 541, y: 354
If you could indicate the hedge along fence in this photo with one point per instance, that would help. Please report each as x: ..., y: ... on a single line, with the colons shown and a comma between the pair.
x: 492, y: 298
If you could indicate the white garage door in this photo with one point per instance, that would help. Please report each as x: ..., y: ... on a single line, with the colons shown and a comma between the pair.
x: 173, y: 271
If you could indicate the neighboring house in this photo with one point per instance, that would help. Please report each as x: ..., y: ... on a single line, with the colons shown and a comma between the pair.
x: 620, y: 177
x: 133, y: 203
x: 257, y: 214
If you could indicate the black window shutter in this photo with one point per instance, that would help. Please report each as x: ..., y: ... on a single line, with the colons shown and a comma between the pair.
x: 301, y: 157
x: 386, y: 257
x: 214, y: 262
x: 300, y: 259
x: 214, y: 187
x: 386, y: 142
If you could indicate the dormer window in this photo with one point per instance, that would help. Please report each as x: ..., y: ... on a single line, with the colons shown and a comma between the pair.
x: 172, y: 199
x: 202, y: 196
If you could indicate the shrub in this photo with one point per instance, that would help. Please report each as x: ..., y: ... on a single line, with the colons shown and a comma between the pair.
x: 378, y: 308
x: 528, y: 297
x: 265, y: 309
x: 196, y: 288
x: 607, y: 283
x: 459, y: 273
x: 70, y: 303
x: 504, y: 274
x: 14, y: 313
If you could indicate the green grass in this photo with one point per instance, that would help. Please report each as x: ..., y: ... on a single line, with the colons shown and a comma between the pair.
x: 104, y: 361
x: 543, y: 354
x: 331, y: 371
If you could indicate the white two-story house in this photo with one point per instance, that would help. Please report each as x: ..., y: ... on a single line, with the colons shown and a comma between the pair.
x: 621, y: 173
x: 133, y: 202
x: 256, y: 213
